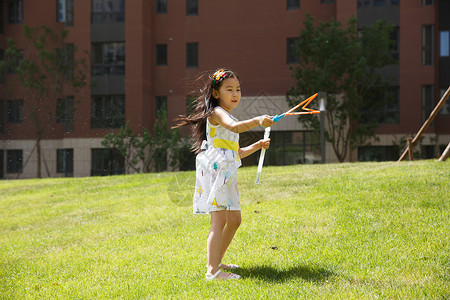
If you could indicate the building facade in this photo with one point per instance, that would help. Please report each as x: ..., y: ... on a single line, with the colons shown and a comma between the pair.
x: 144, y: 54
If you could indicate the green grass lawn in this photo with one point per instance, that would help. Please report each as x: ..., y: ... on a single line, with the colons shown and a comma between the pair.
x: 361, y: 231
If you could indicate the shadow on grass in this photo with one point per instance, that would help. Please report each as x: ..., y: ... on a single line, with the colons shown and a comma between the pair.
x: 313, y: 274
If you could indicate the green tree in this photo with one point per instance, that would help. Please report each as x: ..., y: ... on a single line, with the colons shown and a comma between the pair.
x: 152, y: 150
x: 344, y: 63
x: 45, y: 70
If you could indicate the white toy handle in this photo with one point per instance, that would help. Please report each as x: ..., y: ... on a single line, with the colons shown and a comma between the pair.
x: 261, y: 157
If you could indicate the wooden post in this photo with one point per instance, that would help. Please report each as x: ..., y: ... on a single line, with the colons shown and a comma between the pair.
x: 445, y: 154
x: 410, y: 149
x: 427, y: 123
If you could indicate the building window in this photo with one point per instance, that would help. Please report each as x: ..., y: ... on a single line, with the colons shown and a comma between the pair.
x: 391, y: 111
x: 14, y: 159
x: 2, y: 160
x: 161, y: 55
x: 444, y: 37
x: 14, y: 111
x: 15, y: 12
x: 379, y: 2
x: 2, y: 58
x: 64, y: 161
x: 427, y: 45
x: 192, y: 55
x: 108, y: 59
x: 191, y: 7
x: 160, y: 105
x: 427, y: 101
x: 161, y: 6
x: 108, y: 11
x: 2, y: 14
x: 394, y: 2
x: 2, y: 116
x: 67, y: 60
x: 427, y: 2
x: 65, y: 12
x: 395, y: 44
x: 12, y: 62
x: 293, y: 4
x: 107, y: 162
x: 377, y: 153
x: 445, y: 110
x: 65, y: 112
x: 363, y: 3
x: 108, y: 111
x: 291, y: 56
x: 327, y: 1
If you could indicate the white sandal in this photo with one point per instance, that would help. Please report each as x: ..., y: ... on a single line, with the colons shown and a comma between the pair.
x: 210, y: 276
x: 230, y: 267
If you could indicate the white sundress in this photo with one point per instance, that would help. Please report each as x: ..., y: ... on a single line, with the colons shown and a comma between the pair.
x: 216, y: 171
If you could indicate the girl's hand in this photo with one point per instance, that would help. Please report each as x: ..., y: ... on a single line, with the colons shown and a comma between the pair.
x: 266, y: 121
x: 265, y: 143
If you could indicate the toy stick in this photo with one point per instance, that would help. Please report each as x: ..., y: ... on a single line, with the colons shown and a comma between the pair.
x: 261, y: 156
x: 303, y: 113
x: 300, y: 104
x: 290, y: 112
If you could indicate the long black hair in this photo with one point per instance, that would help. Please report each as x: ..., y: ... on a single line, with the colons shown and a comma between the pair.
x: 204, y: 105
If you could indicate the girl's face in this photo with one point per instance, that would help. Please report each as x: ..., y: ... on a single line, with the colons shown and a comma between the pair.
x: 229, y: 94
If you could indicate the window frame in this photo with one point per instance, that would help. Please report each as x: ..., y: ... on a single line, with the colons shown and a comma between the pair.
x: 161, y: 7
x: 100, y: 15
x: 65, y: 14
x: 14, y: 111
x: 191, y: 7
x: 427, y: 101
x: 441, y: 43
x: 14, y: 161
x: 161, y: 58
x: 17, y: 16
x: 65, y: 112
x: 160, y: 103
x: 107, y: 161
x: 2, y: 116
x: 427, y: 43
x: 64, y: 162
x: 292, y: 4
x: 102, y: 118
x: 2, y: 16
x: 114, y: 65
x: 192, y: 55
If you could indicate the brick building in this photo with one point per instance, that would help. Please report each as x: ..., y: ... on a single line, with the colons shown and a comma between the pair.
x: 144, y: 52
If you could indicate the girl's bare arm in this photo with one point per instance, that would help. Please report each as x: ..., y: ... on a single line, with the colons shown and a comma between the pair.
x: 219, y: 117
x: 246, y: 151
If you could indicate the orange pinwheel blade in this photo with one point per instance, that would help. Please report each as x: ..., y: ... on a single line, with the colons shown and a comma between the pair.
x: 305, y: 103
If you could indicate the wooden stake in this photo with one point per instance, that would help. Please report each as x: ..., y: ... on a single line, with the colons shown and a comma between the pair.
x: 427, y: 123
x: 445, y: 154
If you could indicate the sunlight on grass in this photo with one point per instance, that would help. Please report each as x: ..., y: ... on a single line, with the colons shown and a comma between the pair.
x: 361, y: 230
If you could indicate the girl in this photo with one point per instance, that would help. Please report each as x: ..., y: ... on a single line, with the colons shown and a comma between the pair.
x: 216, y: 135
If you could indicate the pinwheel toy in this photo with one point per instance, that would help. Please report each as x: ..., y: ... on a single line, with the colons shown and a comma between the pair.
x: 307, y: 111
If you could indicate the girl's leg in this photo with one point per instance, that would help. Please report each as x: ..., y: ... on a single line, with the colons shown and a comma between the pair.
x: 218, y: 221
x: 233, y: 220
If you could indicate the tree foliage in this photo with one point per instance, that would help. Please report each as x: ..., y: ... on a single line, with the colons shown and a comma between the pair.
x: 151, y: 151
x: 344, y: 63
x: 45, y: 69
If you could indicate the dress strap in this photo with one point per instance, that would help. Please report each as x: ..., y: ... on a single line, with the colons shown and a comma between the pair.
x: 231, y: 116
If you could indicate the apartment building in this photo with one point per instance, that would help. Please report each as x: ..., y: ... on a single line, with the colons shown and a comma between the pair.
x: 144, y: 53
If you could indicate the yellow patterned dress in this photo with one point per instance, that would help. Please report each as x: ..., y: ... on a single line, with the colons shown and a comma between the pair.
x: 216, y: 175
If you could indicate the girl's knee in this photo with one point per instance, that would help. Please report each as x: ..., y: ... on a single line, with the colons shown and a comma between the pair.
x: 234, y: 220
x: 218, y: 220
